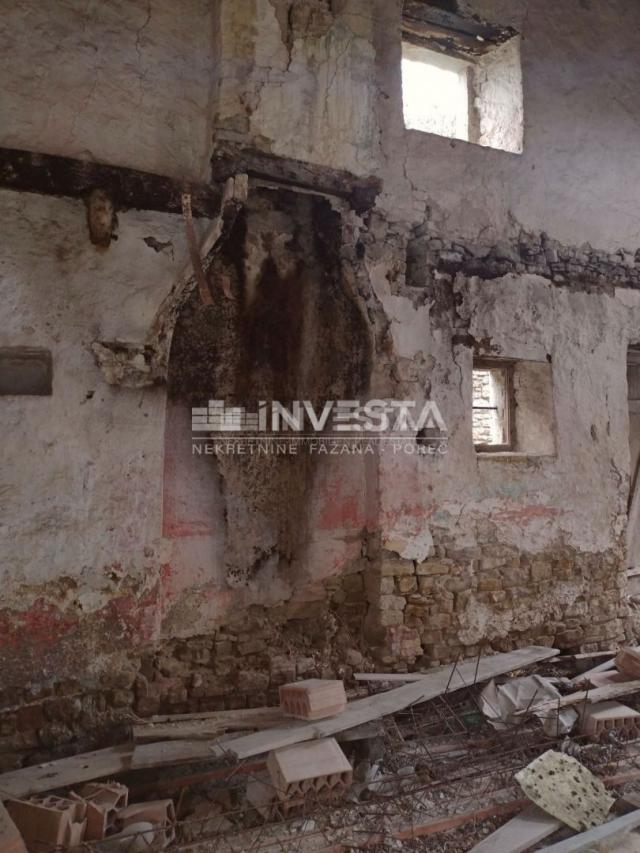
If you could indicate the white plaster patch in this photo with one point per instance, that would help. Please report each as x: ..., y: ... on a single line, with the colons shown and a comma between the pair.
x: 410, y: 538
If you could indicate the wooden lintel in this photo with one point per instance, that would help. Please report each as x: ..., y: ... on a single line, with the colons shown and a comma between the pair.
x: 229, y: 159
x: 419, y: 10
x: 48, y: 174
x: 467, y: 34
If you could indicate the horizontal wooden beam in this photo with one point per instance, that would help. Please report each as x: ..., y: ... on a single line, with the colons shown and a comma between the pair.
x: 48, y: 174
x: 466, y: 34
x: 230, y: 159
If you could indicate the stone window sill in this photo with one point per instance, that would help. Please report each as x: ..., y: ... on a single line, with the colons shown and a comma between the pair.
x: 511, y: 455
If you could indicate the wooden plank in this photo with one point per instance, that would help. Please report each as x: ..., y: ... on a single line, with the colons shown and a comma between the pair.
x: 444, y: 679
x: 443, y: 824
x: 215, y: 724
x: 166, y: 752
x: 598, y: 694
x: 521, y: 832
x: 397, y: 677
x: 601, y: 667
x: 406, y: 677
x: 48, y: 174
x: 66, y: 771
x: 118, y: 759
x: 174, y: 783
x: 597, y: 834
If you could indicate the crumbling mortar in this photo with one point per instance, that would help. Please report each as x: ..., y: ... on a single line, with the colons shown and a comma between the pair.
x: 432, y: 257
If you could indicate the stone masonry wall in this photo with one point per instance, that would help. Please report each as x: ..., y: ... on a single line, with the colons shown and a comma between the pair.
x: 387, y: 611
x: 114, y: 601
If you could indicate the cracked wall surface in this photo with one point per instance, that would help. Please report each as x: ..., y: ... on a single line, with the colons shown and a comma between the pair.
x: 114, y: 551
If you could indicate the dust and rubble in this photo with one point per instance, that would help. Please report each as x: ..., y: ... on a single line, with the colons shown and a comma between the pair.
x: 455, y: 758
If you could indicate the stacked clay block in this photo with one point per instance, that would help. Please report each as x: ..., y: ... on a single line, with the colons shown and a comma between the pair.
x: 313, y: 699
x: 628, y: 663
x: 317, y: 770
x: 604, y: 679
x: 103, y: 801
x: 49, y: 820
x: 602, y: 717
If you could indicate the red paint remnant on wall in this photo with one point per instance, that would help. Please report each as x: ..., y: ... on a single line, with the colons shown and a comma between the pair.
x: 189, y: 492
x: 418, y: 510
x: 135, y: 617
x: 340, y: 508
x: 41, y: 626
x: 525, y: 514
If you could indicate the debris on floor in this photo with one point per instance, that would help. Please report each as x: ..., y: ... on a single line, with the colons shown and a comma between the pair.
x: 496, y: 754
x: 499, y: 703
x: 564, y: 788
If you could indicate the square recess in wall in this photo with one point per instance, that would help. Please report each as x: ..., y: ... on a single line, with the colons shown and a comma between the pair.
x: 25, y: 371
x: 461, y: 77
x: 512, y: 407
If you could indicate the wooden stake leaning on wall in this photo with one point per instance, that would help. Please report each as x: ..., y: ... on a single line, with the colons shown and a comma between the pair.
x: 194, y: 251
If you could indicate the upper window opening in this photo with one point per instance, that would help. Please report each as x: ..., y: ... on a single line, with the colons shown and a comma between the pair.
x: 435, y: 92
x: 461, y: 77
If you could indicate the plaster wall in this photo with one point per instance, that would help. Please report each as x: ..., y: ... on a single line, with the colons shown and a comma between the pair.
x: 97, y: 562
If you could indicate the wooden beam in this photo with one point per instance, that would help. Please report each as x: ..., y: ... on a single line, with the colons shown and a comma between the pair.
x: 48, y: 174
x: 118, y: 759
x: 230, y: 159
x: 419, y: 12
x: 206, y: 726
x: 66, y: 771
x: 530, y: 827
x: 599, y: 833
x: 444, y: 680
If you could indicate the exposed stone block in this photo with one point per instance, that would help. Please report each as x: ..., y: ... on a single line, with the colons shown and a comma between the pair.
x: 391, y: 602
x: 569, y: 639
x: 252, y: 681
x: 434, y: 567
x: 283, y: 669
x: 396, y: 567
x: 628, y: 662
x: 407, y: 585
x: 416, y: 615
x: 404, y: 643
x: 540, y: 571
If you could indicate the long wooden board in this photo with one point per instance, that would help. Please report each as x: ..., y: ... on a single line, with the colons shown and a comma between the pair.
x: 364, y: 710
x: 209, y: 727
x: 66, y: 771
x: 118, y: 759
x: 598, y: 833
x: 530, y: 827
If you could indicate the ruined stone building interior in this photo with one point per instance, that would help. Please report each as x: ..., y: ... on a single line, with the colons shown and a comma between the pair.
x: 320, y: 405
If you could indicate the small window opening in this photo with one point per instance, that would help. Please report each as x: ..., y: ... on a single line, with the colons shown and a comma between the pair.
x: 435, y: 92
x: 461, y: 77
x: 25, y: 371
x: 492, y: 417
